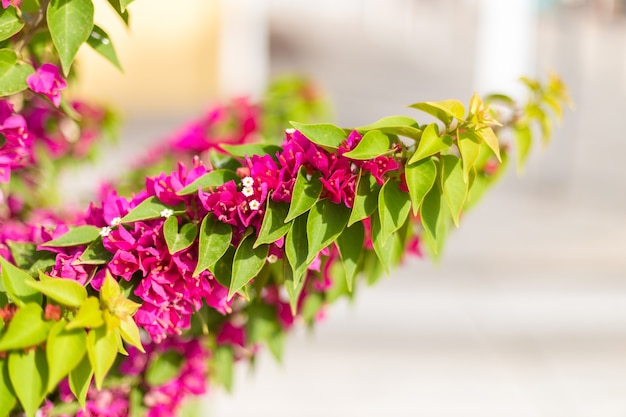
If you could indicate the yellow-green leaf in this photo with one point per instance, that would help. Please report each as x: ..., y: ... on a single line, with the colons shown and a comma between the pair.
x: 14, y: 281
x: 454, y: 188
x: 130, y: 333
x: 430, y: 143
x: 80, y: 380
x: 102, y: 351
x: 8, y: 400
x: 469, y: 146
x: 28, y: 371
x: 27, y: 328
x: 63, y: 291
x: 64, y: 350
x: 420, y: 178
x: 89, y: 315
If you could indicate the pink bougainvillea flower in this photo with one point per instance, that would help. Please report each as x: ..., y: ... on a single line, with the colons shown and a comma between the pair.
x: 7, y: 3
x: 47, y: 81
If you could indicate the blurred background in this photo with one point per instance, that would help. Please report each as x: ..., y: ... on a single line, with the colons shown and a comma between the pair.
x: 525, y: 315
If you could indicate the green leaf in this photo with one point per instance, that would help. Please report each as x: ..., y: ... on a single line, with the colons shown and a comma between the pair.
x: 214, y: 240
x: 434, y: 244
x: 102, y: 351
x: 178, y: 240
x: 383, y: 254
x: 430, y: 143
x: 262, y: 325
x: 129, y: 331
x: 95, y: 254
x: 374, y: 143
x: 223, y: 268
x: 274, y: 226
x: 247, y: 263
x: 7, y: 395
x: 523, y: 142
x: 365, y: 200
x: 64, y: 350
x: 306, y: 192
x: 123, y: 14
x: 29, y: 258
x: 445, y: 110
x: 241, y: 151
x: 12, y: 74
x: 30, y: 6
x: 89, y: 315
x: 70, y: 23
x: 293, y: 290
x: 394, y: 206
x: 420, y: 178
x: 210, y: 179
x: 151, y: 208
x: 81, y: 235
x: 100, y: 41
x: 326, y: 135
x: 135, y: 403
x: 350, y: 245
x: 223, y: 366
x: 14, y: 281
x: 297, y: 249
x: 454, y: 188
x: 27, y: 328
x: 28, y: 371
x: 430, y: 211
x: 63, y: 291
x: 165, y: 367
x: 10, y: 23
x: 489, y: 137
x: 469, y: 147
x: 395, y: 125
x: 80, y: 380
x: 326, y: 221
x: 125, y: 3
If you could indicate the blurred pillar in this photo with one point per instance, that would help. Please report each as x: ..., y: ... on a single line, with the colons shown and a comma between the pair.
x: 506, y: 45
x: 243, y: 48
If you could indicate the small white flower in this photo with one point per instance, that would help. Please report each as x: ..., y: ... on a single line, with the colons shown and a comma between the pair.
x: 247, y: 191
x: 105, y: 231
x: 247, y: 182
x: 308, y: 177
x: 290, y: 131
x: 167, y: 213
x: 254, y: 205
x: 353, y: 167
x: 272, y: 259
x: 116, y: 221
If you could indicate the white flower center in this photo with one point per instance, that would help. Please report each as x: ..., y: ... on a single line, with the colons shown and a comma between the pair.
x: 105, y: 231
x: 254, y: 205
x: 116, y: 221
x: 167, y: 213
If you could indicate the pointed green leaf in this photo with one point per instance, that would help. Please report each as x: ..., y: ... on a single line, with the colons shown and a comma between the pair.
x: 210, y: 179
x: 14, y: 281
x: 430, y: 143
x: 63, y: 291
x: 27, y: 328
x: 151, y: 208
x: 123, y: 14
x: 130, y: 333
x: 395, y: 125
x: 374, y: 143
x: 165, y: 367
x: 28, y: 371
x: 125, y: 3
x: 102, y: 351
x: 70, y: 23
x: 64, y: 350
x: 469, y: 147
x: 326, y: 221
x: 81, y: 235
x: 434, y: 245
x: 445, y: 110
x: 12, y: 74
x: 523, y: 142
x: 215, y: 237
x: 420, y: 178
x: 80, y: 380
x: 297, y: 249
x: 365, y: 200
x: 326, y: 135
x: 100, y: 41
x: 306, y: 192
x: 241, y: 151
x: 430, y: 211
x: 223, y: 268
x: 89, y: 315
x: 247, y: 263
x: 383, y: 254
x: 29, y: 258
x: 394, y: 206
x: 293, y: 290
x: 350, y: 245
x: 490, y: 138
x: 8, y: 400
x: 454, y: 188
x: 95, y: 254
x: 178, y: 240
x: 10, y: 23
x: 273, y: 226
x: 223, y: 365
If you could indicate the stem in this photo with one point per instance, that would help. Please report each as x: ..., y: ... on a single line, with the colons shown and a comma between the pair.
x: 31, y: 27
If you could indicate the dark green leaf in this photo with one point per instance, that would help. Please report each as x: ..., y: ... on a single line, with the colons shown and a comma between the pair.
x: 70, y: 23
x: 394, y: 206
x: 7, y: 395
x: 164, y: 368
x: 306, y: 192
x: 326, y: 221
x: 100, y: 41
x: 151, y: 208
x: 215, y: 237
x: 262, y: 322
x: 350, y: 245
x: 420, y: 178
x: 210, y: 179
x: 10, y: 23
x: 241, y: 151
x: 95, y: 254
x: 123, y: 14
x: 395, y: 125
x: 178, y: 240
x: 374, y: 143
x: 445, y: 110
x: 29, y: 258
x: 102, y: 350
x: 64, y: 350
x: 366, y: 199
x: 326, y: 135
x: 80, y: 380
x: 12, y: 74
x: 296, y: 248
x: 293, y: 290
x: 223, y: 268
x: 28, y: 371
x: 454, y: 188
x: 430, y: 211
x: 27, y: 328
x: 247, y: 263
x: 14, y: 281
x: 274, y: 226
x: 81, y: 235
x: 125, y: 3
x: 430, y: 143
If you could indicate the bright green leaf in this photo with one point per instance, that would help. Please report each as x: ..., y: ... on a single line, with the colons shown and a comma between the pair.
x: 12, y: 74
x: 306, y: 192
x: 223, y: 365
x: 178, y: 240
x: 430, y: 211
x: 70, y: 23
x: 80, y: 380
x: 165, y: 367
x: 241, y: 151
x: 7, y: 395
x: 273, y: 226
x: 444, y: 110
x: 100, y: 41
x: 123, y: 14
x: 523, y: 142
x: 454, y: 187
x: 10, y: 23
x: 395, y: 125
x: 374, y: 143
x: 297, y: 249
x: 28, y: 371
x: 247, y: 263
x: 326, y: 135
x: 350, y: 244
x: 326, y: 221
x: 490, y: 138
x: 63, y: 291
x: 81, y: 235
x: 214, y: 240
x: 469, y: 147
x: 64, y: 350
x: 420, y: 178
x: 102, y: 351
x: 130, y: 332
x: 365, y: 200
x: 27, y: 328
x: 430, y: 143
x: 125, y: 3
x: 151, y: 208
x: 210, y: 179
x: 394, y: 206
x: 89, y: 315
x: 14, y: 281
